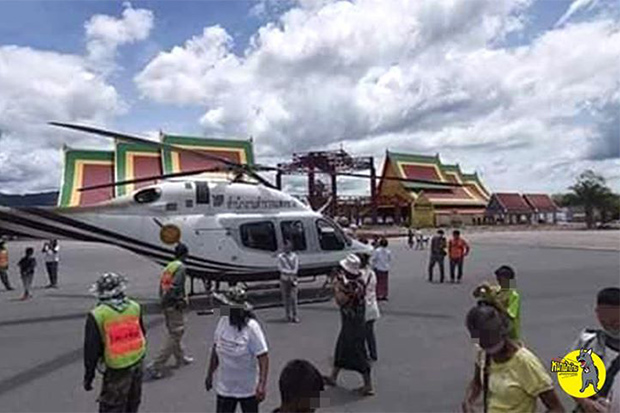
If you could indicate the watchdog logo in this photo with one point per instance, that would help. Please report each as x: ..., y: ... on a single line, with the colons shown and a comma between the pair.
x: 581, y: 373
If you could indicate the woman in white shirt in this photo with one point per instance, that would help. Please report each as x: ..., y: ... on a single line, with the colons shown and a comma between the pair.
x: 372, y: 313
x: 51, y: 251
x: 239, y: 358
x: 381, y: 259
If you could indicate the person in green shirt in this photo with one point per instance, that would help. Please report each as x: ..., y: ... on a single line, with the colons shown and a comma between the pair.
x: 505, y: 297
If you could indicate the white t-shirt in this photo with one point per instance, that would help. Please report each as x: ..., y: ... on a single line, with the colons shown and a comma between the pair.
x: 381, y: 258
x: 288, y: 264
x: 237, y: 352
x: 51, y: 254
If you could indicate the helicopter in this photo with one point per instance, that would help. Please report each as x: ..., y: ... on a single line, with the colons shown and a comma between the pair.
x: 233, y: 228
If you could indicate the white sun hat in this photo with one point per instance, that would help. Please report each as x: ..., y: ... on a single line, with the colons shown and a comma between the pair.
x: 351, y: 264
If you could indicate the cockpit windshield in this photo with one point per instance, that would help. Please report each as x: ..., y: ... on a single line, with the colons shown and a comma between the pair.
x: 331, y: 237
x: 148, y: 195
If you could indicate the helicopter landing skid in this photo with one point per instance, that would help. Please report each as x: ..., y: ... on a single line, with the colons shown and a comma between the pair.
x: 264, y: 295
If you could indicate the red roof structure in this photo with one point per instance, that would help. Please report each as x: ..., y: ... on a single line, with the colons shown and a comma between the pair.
x: 541, y: 203
x: 512, y: 203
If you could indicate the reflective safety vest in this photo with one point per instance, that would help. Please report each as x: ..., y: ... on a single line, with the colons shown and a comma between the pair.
x: 124, y: 341
x: 4, y: 259
x: 167, y: 277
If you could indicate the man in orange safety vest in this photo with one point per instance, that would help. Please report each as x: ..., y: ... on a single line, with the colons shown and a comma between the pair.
x: 115, y: 335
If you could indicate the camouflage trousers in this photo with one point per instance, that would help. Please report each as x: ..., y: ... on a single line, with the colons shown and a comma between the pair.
x: 175, y: 324
x: 121, y: 390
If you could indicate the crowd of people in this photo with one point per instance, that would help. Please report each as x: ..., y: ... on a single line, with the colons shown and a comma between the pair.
x: 239, y: 362
x: 27, y: 266
x: 508, y: 376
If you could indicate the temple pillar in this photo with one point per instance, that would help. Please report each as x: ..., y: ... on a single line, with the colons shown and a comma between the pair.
x: 373, y: 191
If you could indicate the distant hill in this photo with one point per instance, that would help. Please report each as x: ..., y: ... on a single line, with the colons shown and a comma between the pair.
x: 36, y: 199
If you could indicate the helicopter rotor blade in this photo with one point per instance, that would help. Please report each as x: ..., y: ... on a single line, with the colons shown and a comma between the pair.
x: 136, y: 139
x: 152, y: 178
x: 395, y: 178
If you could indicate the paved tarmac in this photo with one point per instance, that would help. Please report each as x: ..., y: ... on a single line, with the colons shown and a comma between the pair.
x: 425, y: 354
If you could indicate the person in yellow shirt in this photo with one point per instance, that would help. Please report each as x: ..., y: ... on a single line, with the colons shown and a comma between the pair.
x: 505, y: 297
x: 509, y: 376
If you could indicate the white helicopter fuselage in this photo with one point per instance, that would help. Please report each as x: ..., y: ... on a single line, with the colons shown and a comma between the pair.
x: 234, y: 231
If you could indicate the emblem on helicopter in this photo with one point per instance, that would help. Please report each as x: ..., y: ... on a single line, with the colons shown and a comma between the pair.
x: 170, y: 234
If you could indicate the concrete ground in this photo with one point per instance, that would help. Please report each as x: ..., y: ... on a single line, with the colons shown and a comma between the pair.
x: 425, y: 354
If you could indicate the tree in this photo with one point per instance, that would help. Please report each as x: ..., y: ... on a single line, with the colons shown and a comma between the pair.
x: 610, y: 209
x: 560, y: 200
x: 591, y: 192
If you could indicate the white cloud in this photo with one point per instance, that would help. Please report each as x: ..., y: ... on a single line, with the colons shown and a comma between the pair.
x: 38, y: 86
x: 183, y: 75
x: 104, y: 34
x: 428, y: 76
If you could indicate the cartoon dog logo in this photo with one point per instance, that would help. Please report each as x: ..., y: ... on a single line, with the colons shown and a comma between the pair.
x: 590, y: 371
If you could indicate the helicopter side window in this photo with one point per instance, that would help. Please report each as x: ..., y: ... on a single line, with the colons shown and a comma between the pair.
x: 259, y: 236
x: 330, y: 237
x: 294, y: 231
x: 146, y: 196
x: 202, y: 193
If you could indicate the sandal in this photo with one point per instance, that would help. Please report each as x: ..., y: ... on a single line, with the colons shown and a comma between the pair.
x: 366, y: 391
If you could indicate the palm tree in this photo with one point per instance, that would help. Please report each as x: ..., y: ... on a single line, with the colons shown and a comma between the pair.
x: 591, y: 192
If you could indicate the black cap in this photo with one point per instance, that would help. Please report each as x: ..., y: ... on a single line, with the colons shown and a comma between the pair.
x: 609, y: 296
x: 505, y: 271
x: 181, y: 251
x: 300, y: 379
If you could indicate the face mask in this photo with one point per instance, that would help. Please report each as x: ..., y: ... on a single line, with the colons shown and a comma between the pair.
x: 495, y: 349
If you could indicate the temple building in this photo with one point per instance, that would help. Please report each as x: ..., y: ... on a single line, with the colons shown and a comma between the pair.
x: 130, y: 161
x: 431, y: 203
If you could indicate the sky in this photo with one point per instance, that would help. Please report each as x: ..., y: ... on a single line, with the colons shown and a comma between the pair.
x: 525, y: 92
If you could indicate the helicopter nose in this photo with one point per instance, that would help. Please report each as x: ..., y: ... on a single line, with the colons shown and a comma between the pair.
x: 359, y: 246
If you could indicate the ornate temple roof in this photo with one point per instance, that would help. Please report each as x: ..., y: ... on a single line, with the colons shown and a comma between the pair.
x: 430, y: 168
x: 131, y: 161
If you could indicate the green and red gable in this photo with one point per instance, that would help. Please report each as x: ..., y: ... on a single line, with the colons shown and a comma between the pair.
x: 135, y: 161
x: 86, y: 168
x: 417, y: 166
x: 474, y: 183
x: 233, y: 150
